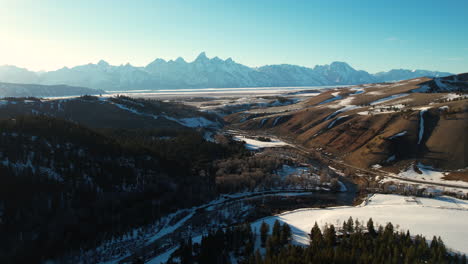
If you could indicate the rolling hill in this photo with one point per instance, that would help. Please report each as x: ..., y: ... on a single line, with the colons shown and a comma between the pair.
x: 91, y: 168
x: 391, y: 124
x: 111, y: 112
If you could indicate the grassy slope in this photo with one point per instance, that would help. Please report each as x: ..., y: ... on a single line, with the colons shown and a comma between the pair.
x: 362, y: 140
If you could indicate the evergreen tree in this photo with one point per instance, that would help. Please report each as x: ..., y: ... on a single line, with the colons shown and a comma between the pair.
x: 264, y: 228
x: 138, y: 260
x: 329, y: 235
x: 316, y: 237
x: 258, y: 257
x: 434, y: 243
x: 356, y: 247
x: 186, y: 254
x: 370, y: 227
x: 315, y: 232
x: 276, y: 229
x: 285, y: 234
x: 350, y: 225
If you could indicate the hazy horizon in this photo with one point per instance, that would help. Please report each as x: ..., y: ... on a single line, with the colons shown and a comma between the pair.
x: 211, y: 57
x: 369, y: 35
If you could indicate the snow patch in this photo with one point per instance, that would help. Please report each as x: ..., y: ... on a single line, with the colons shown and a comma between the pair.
x: 392, y: 97
x: 331, y: 100
x: 276, y: 120
x: 429, y: 175
x: 402, y: 133
x: 344, y: 109
x: 421, y: 125
x: 391, y: 158
x: 196, y: 122
x: 444, y: 108
x: 171, y: 228
x: 254, y: 144
x: 343, y: 102
x: 452, y: 96
x: 336, y: 119
x: 357, y: 91
x: 444, y: 217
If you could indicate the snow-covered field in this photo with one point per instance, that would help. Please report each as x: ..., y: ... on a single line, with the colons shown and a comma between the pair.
x: 254, y: 144
x: 116, y: 250
x: 428, y: 174
x: 217, y: 92
x: 430, y: 188
x: 444, y: 216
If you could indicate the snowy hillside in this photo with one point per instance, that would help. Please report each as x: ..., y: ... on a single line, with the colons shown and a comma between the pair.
x: 443, y: 216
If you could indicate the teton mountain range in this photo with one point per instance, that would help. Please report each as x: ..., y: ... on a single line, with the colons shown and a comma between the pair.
x: 204, y: 72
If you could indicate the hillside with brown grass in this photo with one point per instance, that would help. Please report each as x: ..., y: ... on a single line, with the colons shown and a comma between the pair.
x: 390, y: 124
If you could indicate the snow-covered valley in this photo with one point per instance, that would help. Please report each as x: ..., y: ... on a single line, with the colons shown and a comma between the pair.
x: 442, y: 216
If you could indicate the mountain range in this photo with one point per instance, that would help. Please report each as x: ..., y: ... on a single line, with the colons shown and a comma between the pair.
x: 204, y: 72
x: 37, y: 90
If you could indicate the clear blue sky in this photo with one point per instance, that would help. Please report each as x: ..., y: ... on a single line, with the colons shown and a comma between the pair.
x: 370, y: 35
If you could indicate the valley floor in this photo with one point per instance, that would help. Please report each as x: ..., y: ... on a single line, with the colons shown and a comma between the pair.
x: 442, y: 216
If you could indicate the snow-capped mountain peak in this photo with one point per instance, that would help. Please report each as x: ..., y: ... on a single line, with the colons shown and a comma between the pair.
x: 103, y: 63
x: 340, y: 65
x: 204, y: 72
x: 180, y: 60
x: 201, y: 57
x: 403, y: 74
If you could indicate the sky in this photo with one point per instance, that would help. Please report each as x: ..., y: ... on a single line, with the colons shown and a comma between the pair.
x: 369, y: 35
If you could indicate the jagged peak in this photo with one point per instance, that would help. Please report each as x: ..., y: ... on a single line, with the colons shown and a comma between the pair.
x: 180, y: 59
x: 217, y: 59
x: 103, y: 63
x: 157, y: 61
x: 201, y: 57
x: 340, y: 64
